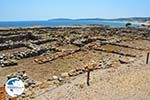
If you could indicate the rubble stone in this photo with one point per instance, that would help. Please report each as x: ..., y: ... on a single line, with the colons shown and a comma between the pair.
x: 125, y: 60
x: 7, y: 62
x: 18, y: 37
x: 55, y: 77
x: 64, y: 75
x: 43, y: 85
x: 22, y: 75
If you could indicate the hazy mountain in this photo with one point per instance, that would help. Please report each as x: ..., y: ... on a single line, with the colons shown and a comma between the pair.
x: 141, y: 19
x: 60, y: 19
x: 132, y: 19
x: 91, y: 19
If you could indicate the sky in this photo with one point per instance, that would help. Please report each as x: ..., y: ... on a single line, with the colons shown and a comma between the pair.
x: 21, y: 10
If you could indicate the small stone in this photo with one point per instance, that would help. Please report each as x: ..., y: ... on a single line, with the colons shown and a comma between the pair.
x: 60, y: 79
x: 50, y: 79
x: 30, y: 82
x: 56, y: 82
x: 125, y: 60
x: 55, y: 77
x: 38, y: 83
x: 26, y: 84
x: 33, y: 85
x: 21, y: 73
x: 8, y: 77
x: 64, y: 75
x: 36, y: 60
x: 43, y: 85
x: 25, y: 77
x: 72, y: 73
x: 28, y: 93
x: 80, y: 72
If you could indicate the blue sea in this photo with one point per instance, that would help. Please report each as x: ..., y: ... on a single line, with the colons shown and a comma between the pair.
x: 62, y: 23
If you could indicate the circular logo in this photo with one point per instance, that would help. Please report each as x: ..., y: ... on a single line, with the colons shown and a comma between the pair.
x: 14, y: 87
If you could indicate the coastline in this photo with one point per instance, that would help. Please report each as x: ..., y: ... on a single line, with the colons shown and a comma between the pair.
x: 147, y: 23
x: 66, y: 23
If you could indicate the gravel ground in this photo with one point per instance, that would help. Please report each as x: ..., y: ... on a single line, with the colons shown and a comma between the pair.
x: 124, y: 83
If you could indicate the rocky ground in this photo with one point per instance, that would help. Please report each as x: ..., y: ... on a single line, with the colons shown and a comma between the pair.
x: 111, y: 84
x: 53, y: 62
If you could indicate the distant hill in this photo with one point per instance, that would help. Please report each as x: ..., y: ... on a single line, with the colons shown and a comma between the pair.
x: 59, y: 19
x: 140, y: 19
x: 92, y: 19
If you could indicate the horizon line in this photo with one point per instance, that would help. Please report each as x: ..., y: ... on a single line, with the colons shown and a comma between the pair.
x: 72, y: 18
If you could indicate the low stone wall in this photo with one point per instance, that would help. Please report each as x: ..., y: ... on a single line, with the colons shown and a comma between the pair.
x: 19, y: 37
x: 12, y: 60
x: 11, y: 45
x: 41, y: 41
x: 32, y: 53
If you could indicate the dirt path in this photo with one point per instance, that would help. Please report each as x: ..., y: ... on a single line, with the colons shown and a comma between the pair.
x: 124, y: 83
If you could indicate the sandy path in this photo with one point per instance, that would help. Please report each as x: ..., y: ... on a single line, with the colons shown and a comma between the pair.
x: 124, y: 83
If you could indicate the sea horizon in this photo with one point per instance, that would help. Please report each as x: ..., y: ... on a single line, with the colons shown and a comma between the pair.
x: 49, y: 23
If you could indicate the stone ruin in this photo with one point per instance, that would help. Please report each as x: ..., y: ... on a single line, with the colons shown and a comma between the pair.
x: 12, y: 59
x: 33, y: 39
